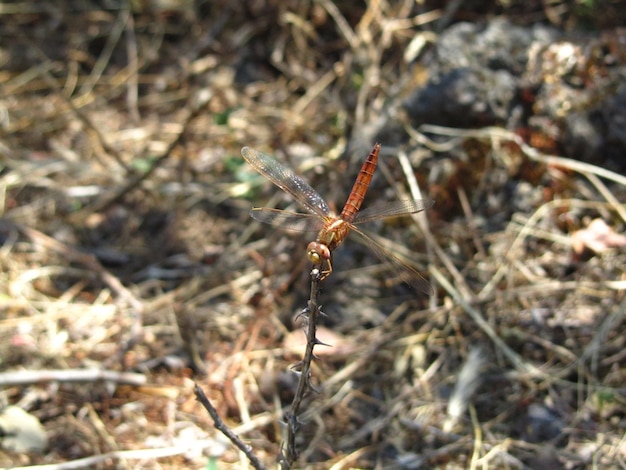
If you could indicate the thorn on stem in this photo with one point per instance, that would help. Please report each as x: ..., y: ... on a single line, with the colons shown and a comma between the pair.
x: 321, y: 343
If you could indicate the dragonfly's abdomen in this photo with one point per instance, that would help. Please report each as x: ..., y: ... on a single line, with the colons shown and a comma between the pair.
x: 363, y: 180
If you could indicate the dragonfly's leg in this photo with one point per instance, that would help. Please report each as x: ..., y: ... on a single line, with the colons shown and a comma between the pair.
x: 326, y: 272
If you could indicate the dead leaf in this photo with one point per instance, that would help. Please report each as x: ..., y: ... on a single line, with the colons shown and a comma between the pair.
x: 597, y: 237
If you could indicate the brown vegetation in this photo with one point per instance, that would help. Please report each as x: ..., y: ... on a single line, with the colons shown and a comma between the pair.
x: 131, y: 270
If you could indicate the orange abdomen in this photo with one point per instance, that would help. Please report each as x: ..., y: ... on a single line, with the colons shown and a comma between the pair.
x: 363, y: 180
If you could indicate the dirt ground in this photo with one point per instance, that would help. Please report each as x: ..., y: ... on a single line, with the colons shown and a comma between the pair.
x: 131, y: 269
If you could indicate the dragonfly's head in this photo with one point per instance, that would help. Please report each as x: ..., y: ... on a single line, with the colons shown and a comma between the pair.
x: 317, y: 252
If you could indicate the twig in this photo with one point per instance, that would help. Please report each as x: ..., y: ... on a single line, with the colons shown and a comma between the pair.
x: 432, y: 245
x: 311, y: 314
x: 221, y: 426
x: 341, y: 22
x: 26, y: 377
x: 103, y: 60
x: 132, y: 85
x: 99, y: 461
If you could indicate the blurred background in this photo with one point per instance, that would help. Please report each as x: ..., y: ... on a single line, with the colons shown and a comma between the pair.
x: 130, y: 268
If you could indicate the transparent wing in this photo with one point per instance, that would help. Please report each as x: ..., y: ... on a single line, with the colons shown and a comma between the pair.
x: 392, y: 209
x: 286, y: 180
x: 287, y: 220
x: 404, y: 271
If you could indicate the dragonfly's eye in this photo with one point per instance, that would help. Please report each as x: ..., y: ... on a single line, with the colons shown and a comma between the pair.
x: 317, y: 252
x: 313, y: 257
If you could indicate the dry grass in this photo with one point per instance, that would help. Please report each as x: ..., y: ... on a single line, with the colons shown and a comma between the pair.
x: 126, y: 246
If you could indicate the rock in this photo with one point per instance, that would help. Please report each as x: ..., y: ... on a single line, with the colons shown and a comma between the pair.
x: 21, y: 432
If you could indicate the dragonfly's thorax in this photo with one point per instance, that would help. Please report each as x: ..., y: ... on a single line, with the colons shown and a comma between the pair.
x: 333, y: 233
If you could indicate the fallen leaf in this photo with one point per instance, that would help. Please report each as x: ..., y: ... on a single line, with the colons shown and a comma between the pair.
x: 597, y: 237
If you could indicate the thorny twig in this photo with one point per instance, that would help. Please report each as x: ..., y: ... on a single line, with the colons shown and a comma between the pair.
x: 311, y: 314
x: 289, y: 453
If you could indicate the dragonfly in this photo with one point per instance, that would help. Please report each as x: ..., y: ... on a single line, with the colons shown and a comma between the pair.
x: 333, y: 229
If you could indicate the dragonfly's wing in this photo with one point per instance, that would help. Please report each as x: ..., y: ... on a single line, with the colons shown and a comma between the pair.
x: 392, y: 209
x: 286, y: 180
x: 402, y: 269
x: 286, y: 219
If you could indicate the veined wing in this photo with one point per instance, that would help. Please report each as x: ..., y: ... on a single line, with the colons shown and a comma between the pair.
x: 392, y: 209
x: 286, y: 180
x: 287, y: 220
x: 405, y: 271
